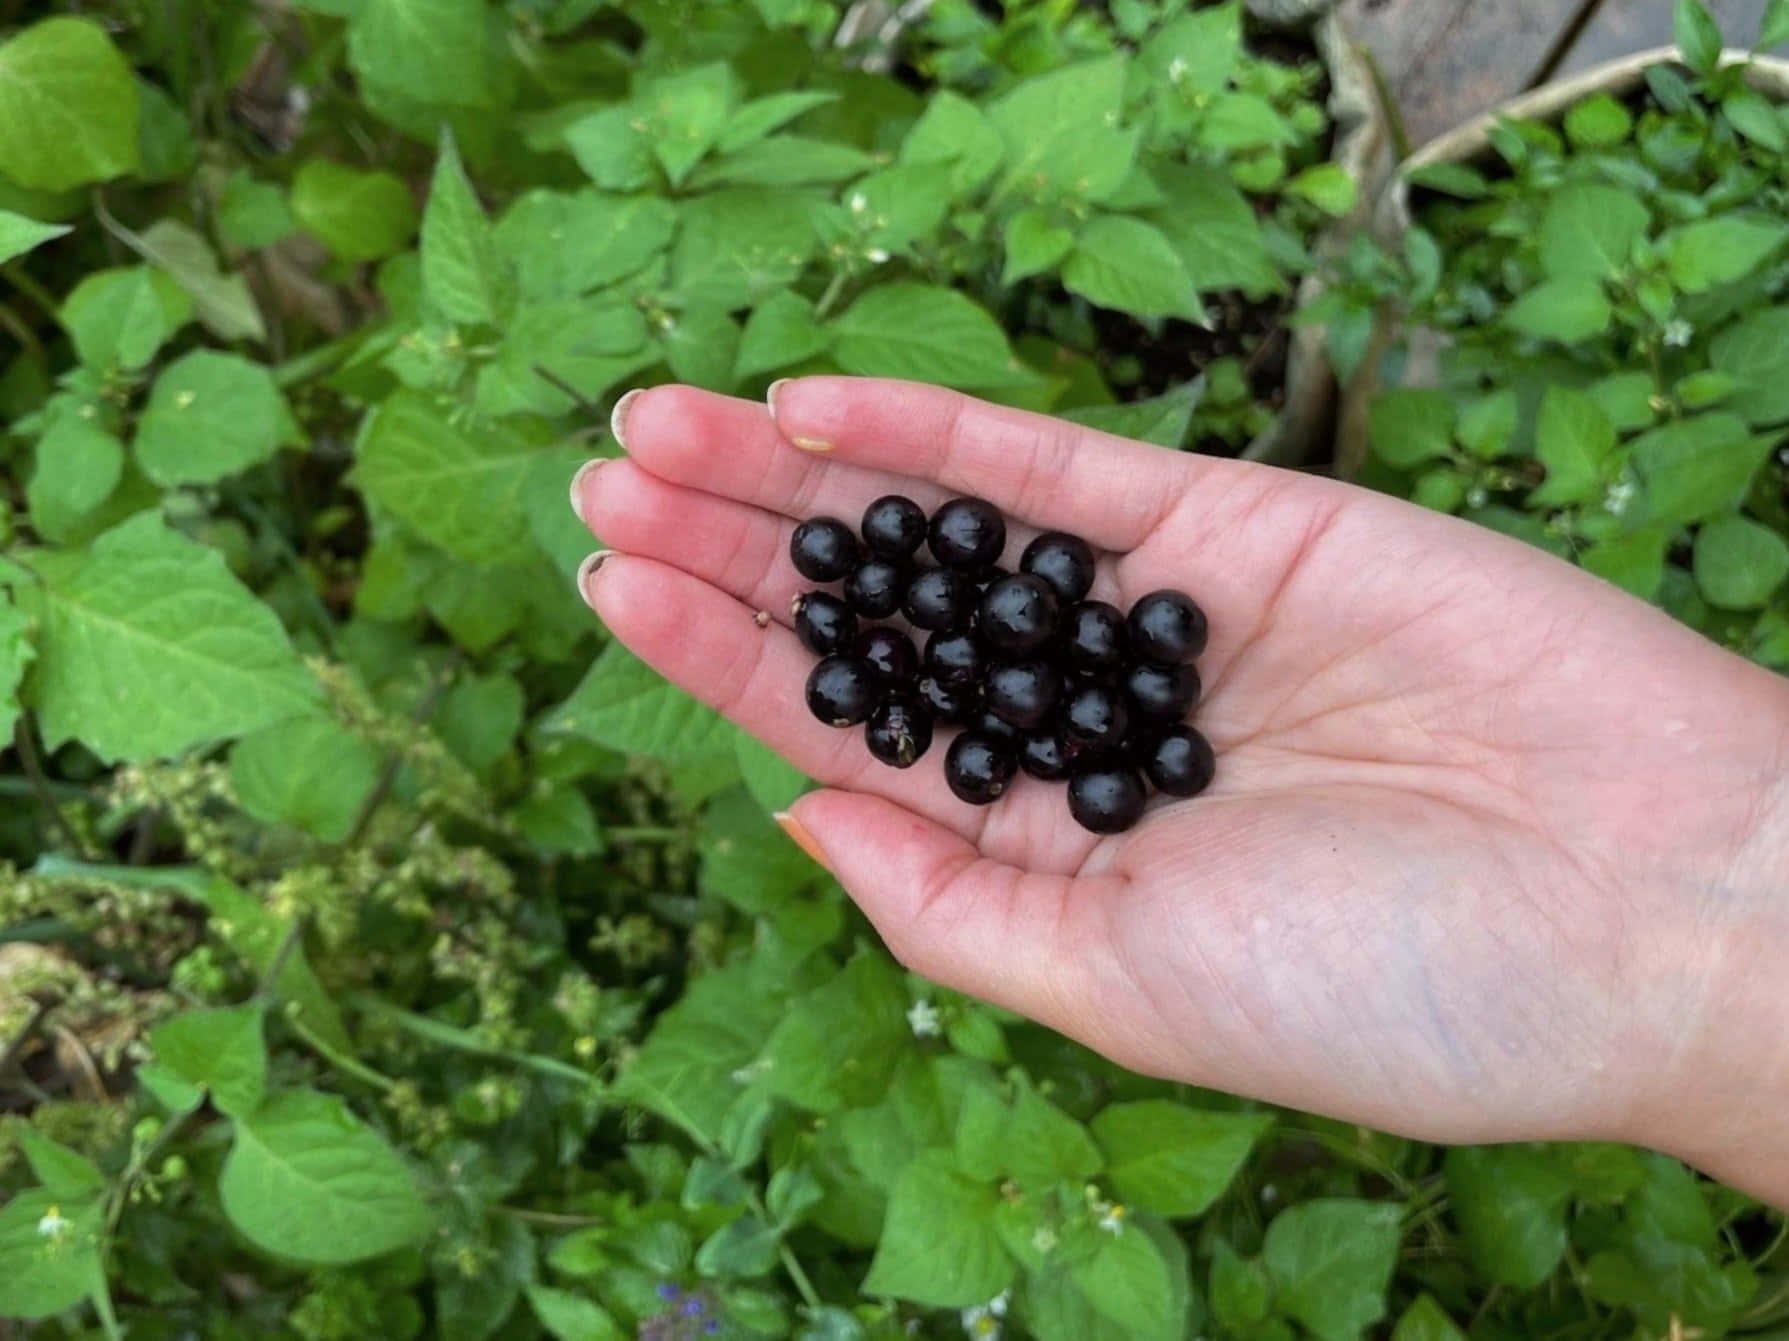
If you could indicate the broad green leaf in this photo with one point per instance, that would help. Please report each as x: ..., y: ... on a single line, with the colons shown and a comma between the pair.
x: 952, y: 130
x: 1635, y: 562
x: 902, y: 204
x: 773, y: 781
x: 1738, y: 563
x: 744, y: 1247
x: 119, y: 318
x: 429, y: 51
x: 1698, y: 36
x: 1755, y: 117
x: 785, y: 160
x: 612, y: 149
x: 588, y: 343
x: 307, y: 1180
x: 1327, y: 186
x: 1700, y: 390
x: 473, y: 1308
x: 16, y: 653
x: 1575, y: 441
x: 252, y: 214
x: 78, y: 464
x: 1172, y: 1160
x: 925, y: 333
x: 1124, y: 263
x: 209, y: 416
x: 480, y: 717
x: 1215, y: 230
x: 1568, y: 309
x: 1711, y: 252
x: 701, y: 345
x: 565, y: 245
x: 739, y: 245
x: 1589, y: 230
x: 686, y: 113
x: 1627, y: 398
x: 1425, y: 1320
x: 1410, y: 426
x: 558, y: 821
x: 458, y: 485
x: 19, y: 235
x: 838, y: 1044
x: 220, y: 1050
x: 1196, y: 53
x: 1061, y: 134
x: 310, y: 773
x: 1331, y: 1260
x: 1240, y: 122
x: 572, y: 1317
x: 746, y: 860
x: 761, y: 116
x: 626, y: 705
x: 1774, y: 31
x: 939, y: 1246
x: 1510, y: 1202
x: 149, y: 646
x: 1488, y: 424
x: 1034, y: 242
x: 1041, y: 1145
x: 166, y: 148
x: 1240, y: 1291
x: 68, y: 106
x: 359, y: 215
x: 49, y: 1252
x: 464, y: 278
x: 1163, y: 420
x: 1129, y: 1282
x: 1601, y: 121
x: 780, y: 331
x: 1667, y: 1284
x: 1752, y: 351
x: 222, y: 302
x: 63, y: 1172
x: 1697, y: 468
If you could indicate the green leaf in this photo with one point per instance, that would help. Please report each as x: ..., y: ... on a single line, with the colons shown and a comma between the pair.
x: 565, y: 245
x: 457, y: 484
x: 571, y: 1317
x: 1752, y: 351
x: 1510, y: 1202
x: 119, y: 318
x: 1041, y: 1145
x: 1634, y: 562
x: 1327, y: 186
x: 1061, y: 135
x: 16, y: 653
x: 1627, y: 398
x: 49, y: 1253
x: 210, y: 416
x: 220, y: 1050
x: 252, y: 214
x: 685, y: 114
x: 1755, y: 117
x: 954, y: 131
x: 1034, y: 242
x: 429, y: 51
x: 63, y: 1172
x: 1575, y: 441
x: 78, y: 464
x: 1130, y: 1282
x: 588, y: 343
x: 360, y: 216
x: 1488, y: 424
x: 463, y: 276
x: 1240, y: 1290
x: 558, y: 821
x: 1425, y: 1320
x: 307, y: 1180
x: 773, y: 781
x: 68, y: 107
x: 1739, y: 564
x: 785, y: 160
x: 902, y: 204
x: 1163, y: 420
x: 924, y: 333
x: 221, y: 301
x: 1774, y: 31
x: 1589, y: 231
x: 780, y: 331
x: 1173, y: 1160
x: 1711, y: 252
x: 310, y: 773
x: 1698, y: 36
x: 19, y: 235
x: 1124, y: 263
x: 1599, y: 122
x: 738, y: 246
x: 1331, y: 1261
x: 626, y: 705
x: 480, y: 717
x: 701, y: 345
x: 1568, y: 309
x: 1196, y: 53
x: 149, y: 646
x: 611, y: 149
x: 939, y: 1245
x: 761, y: 116
x: 740, y: 1249
x: 837, y: 1045
x: 1215, y: 230
x: 1410, y: 426
x: 1697, y: 468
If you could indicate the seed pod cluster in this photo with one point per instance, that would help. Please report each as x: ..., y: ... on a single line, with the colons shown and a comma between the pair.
x: 1039, y: 678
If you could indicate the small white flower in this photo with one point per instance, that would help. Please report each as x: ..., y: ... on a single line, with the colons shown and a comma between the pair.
x: 997, y: 1305
x: 859, y: 202
x: 1269, y: 1193
x: 1620, y: 495
x: 54, y: 1224
x: 1043, y: 1239
x: 1477, y: 497
x: 1113, y: 1220
x: 983, y: 1320
x: 1177, y: 69
x: 1678, y: 333
x: 922, y: 1019
x: 876, y: 255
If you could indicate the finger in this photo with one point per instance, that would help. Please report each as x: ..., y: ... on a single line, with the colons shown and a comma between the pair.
x: 1046, y: 471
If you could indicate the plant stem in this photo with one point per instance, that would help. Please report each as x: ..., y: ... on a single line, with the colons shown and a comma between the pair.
x: 833, y: 290
x: 40, y: 296
x: 552, y: 1219
x: 26, y: 336
x: 269, y: 987
x: 26, y: 745
x: 341, y: 1061
x: 643, y: 833
x: 389, y: 777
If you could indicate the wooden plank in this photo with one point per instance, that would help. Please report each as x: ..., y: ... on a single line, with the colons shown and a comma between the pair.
x: 1621, y: 27
x: 1448, y: 60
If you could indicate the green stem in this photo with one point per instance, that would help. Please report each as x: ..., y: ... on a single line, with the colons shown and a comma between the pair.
x: 26, y: 744
x: 315, y: 362
x: 42, y: 297
x: 341, y: 1061
x: 833, y: 290
x: 643, y: 833
x: 552, y: 1219
x: 23, y: 333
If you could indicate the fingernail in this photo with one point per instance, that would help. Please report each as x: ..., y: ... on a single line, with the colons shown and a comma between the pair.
x: 806, y: 444
x: 618, y: 415
x: 799, y: 836
x: 587, y: 570
x: 584, y: 472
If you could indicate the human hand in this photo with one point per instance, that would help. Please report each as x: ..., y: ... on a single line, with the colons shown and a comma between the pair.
x: 1491, y: 848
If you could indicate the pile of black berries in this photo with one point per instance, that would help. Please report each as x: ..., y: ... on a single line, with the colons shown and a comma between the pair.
x: 1039, y: 677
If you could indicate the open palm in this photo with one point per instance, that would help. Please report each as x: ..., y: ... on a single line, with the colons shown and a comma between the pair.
x: 1471, y: 804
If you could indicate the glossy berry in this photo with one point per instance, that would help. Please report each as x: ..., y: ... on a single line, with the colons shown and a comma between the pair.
x: 951, y: 704
x: 955, y: 657
x: 1064, y: 561
x: 1095, y: 717
x: 823, y: 622
x: 995, y: 727
x: 967, y: 533
x: 1167, y: 628
x: 1018, y: 615
x: 1180, y: 762
x: 1106, y: 800
x: 842, y: 690
x: 899, y: 731
x: 979, y: 770
x: 1046, y: 756
x: 894, y: 527
x: 940, y: 598
x: 875, y: 588
x: 823, y: 549
x: 1164, y: 693
x: 1025, y: 693
x: 1095, y: 640
x: 890, y: 653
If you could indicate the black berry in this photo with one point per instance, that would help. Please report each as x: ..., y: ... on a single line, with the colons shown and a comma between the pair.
x: 940, y: 598
x: 995, y: 727
x: 1095, y: 637
x: 875, y: 588
x: 1167, y: 628
x: 1018, y: 615
x: 979, y: 770
x: 950, y: 704
x: 1180, y: 762
x: 954, y: 657
x: 967, y: 533
x: 1106, y: 800
x: 1064, y: 561
x: 823, y: 549
x: 823, y: 622
x: 894, y: 527
x: 842, y: 690
x: 1165, y: 693
x: 899, y: 731
x: 890, y: 653
x: 1045, y: 755
x: 1095, y: 717
x: 1025, y: 693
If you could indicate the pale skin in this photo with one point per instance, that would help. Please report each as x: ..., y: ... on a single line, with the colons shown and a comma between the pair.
x: 1495, y: 852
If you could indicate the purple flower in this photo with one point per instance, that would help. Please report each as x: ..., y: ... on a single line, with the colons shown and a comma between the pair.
x: 668, y: 1291
x: 693, y: 1307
